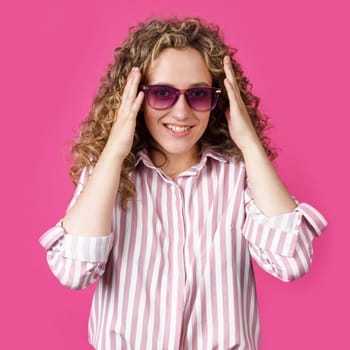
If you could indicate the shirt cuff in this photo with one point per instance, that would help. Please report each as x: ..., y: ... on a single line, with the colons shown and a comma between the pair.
x: 279, y: 234
x: 87, y: 248
x: 313, y: 217
x: 93, y: 249
x: 52, y: 236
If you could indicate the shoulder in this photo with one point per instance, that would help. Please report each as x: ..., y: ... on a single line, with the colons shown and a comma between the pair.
x: 224, y: 160
x: 224, y: 168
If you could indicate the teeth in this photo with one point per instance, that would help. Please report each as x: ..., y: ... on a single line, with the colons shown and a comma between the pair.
x: 176, y: 128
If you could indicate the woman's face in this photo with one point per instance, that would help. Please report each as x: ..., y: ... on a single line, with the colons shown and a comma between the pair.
x: 176, y: 130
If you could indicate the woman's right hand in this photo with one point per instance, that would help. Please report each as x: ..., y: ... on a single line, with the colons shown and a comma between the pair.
x: 122, y: 133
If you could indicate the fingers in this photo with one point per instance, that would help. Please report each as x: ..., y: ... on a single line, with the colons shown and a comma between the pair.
x: 229, y: 71
x: 123, y: 130
x: 131, y: 87
x: 230, y: 75
x: 138, y: 102
x: 131, y: 100
x: 230, y: 82
x: 229, y: 89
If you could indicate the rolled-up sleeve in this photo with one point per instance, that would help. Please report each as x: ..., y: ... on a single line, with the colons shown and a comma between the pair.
x: 76, y: 261
x: 282, y: 245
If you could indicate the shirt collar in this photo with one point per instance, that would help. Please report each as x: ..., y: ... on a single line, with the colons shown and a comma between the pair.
x: 143, y: 157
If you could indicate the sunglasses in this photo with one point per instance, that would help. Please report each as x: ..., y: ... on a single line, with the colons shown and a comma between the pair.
x: 201, y: 98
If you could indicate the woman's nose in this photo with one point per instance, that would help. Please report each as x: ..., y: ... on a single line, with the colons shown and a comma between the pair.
x: 181, y: 109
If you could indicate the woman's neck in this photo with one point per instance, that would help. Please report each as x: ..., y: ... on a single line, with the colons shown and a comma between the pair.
x: 174, y: 164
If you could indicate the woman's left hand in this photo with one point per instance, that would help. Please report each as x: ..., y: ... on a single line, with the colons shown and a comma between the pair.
x: 240, y: 126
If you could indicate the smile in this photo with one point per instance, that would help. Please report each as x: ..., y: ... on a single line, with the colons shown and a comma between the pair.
x: 176, y: 128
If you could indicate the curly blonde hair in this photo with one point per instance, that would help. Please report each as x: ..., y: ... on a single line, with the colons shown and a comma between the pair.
x: 144, y: 44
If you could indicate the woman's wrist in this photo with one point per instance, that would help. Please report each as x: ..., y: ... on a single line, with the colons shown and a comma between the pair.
x: 111, y: 154
x: 252, y: 148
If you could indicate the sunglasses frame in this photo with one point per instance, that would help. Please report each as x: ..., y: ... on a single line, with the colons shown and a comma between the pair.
x: 215, y: 93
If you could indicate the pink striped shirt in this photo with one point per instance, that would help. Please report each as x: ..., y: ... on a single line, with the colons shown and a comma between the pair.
x: 176, y: 271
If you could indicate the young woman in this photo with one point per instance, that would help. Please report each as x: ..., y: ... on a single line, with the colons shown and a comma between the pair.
x: 176, y: 193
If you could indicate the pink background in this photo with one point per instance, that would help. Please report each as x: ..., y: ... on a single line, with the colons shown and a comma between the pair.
x: 53, y: 53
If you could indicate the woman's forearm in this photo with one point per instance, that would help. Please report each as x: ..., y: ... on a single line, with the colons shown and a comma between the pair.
x: 269, y: 192
x: 91, y: 215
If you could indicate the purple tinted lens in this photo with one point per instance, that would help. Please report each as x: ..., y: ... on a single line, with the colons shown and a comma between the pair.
x: 161, y: 97
x: 201, y: 98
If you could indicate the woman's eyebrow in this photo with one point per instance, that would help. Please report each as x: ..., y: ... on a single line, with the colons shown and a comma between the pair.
x: 202, y: 83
